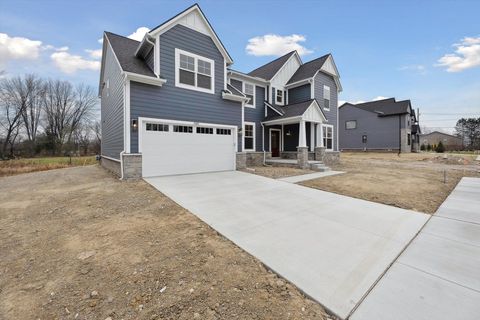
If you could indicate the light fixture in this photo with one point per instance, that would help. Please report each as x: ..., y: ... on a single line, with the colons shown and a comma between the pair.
x: 134, y: 124
x: 288, y: 133
x: 240, y: 130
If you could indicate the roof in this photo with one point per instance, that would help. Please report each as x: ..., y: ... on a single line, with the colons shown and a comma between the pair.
x: 291, y: 110
x: 234, y: 90
x: 308, y: 69
x: 439, y: 132
x: 385, y: 107
x: 124, y: 49
x: 267, y: 71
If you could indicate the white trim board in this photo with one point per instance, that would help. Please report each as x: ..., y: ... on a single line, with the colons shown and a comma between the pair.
x: 196, y: 57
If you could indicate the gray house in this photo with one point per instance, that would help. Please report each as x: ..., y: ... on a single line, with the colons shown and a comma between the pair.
x: 172, y: 104
x: 385, y: 125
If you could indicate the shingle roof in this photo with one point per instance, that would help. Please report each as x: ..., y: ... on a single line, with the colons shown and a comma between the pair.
x: 234, y: 90
x: 267, y: 71
x: 124, y: 48
x: 308, y: 69
x: 291, y: 110
x: 386, y: 107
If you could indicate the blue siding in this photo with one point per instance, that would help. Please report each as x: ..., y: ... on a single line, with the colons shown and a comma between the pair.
x: 112, y: 107
x: 170, y: 102
x: 149, y: 59
x: 382, y: 132
x: 237, y: 84
x: 257, y: 115
x: 299, y: 94
x: 320, y: 80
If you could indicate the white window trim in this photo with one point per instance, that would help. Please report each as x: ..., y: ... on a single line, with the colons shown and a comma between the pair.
x: 329, y: 96
x: 244, y: 136
x: 323, y: 137
x: 196, y: 57
x: 283, y: 97
x: 254, y: 94
x: 351, y: 128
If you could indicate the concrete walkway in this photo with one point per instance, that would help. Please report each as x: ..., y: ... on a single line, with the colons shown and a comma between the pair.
x: 438, y: 275
x: 332, y: 247
x: 310, y: 176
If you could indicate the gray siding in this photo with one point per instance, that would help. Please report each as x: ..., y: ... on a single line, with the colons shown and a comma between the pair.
x: 170, y: 102
x: 112, y: 107
x: 299, y: 94
x: 382, y: 132
x: 257, y: 115
x: 237, y: 84
x: 320, y: 80
x: 150, y: 59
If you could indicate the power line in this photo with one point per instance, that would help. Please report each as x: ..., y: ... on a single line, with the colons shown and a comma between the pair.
x: 449, y: 114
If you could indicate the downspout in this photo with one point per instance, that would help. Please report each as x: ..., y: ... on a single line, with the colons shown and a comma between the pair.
x: 121, y: 164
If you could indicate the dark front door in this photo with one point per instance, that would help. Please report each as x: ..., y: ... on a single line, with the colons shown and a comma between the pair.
x: 275, y: 143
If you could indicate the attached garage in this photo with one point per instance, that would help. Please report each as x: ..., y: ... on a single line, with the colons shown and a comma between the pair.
x: 178, y: 147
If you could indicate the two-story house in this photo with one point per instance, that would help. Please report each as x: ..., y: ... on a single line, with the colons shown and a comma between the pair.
x: 172, y: 104
x: 382, y: 125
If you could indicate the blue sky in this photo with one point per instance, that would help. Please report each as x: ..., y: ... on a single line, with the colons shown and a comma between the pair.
x: 381, y: 48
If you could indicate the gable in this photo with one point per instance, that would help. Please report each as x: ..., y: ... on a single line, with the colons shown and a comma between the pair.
x: 314, y: 113
x: 286, y: 71
x: 329, y: 66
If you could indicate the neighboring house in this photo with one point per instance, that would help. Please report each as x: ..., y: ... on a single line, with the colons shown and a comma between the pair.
x: 171, y: 104
x: 449, y: 142
x: 385, y: 125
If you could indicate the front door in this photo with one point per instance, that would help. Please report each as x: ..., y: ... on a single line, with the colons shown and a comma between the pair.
x: 275, y: 143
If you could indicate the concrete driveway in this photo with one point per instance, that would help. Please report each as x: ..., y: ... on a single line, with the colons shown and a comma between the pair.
x: 333, y: 247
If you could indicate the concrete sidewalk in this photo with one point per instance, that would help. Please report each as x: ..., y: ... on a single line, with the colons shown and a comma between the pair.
x: 310, y: 176
x: 438, y: 275
x: 332, y: 247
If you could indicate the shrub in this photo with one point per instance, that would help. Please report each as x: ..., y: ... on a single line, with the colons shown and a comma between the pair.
x: 422, y: 147
x: 440, y: 148
x: 429, y: 147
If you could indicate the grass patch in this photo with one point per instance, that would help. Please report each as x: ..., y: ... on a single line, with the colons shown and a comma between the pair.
x: 19, y: 166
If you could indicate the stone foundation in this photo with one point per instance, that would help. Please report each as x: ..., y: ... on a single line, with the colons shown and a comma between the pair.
x: 302, y: 157
x: 319, y: 153
x: 288, y: 154
x: 255, y: 159
x: 132, y: 166
x: 112, y: 166
x: 241, y: 160
x: 331, y: 157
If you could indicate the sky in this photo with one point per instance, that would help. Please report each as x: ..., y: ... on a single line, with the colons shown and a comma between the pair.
x: 425, y: 51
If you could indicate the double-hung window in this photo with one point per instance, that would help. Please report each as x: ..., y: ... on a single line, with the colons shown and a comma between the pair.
x: 249, y: 140
x: 328, y: 136
x: 326, y: 97
x: 249, y: 90
x: 279, y: 98
x: 194, y: 72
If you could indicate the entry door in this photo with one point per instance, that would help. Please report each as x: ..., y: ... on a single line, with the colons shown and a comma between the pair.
x: 275, y: 143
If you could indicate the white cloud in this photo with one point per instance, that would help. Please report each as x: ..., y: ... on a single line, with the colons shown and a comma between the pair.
x: 275, y: 45
x: 379, y: 98
x: 417, y: 68
x: 466, y: 56
x: 70, y: 64
x: 18, y: 48
x: 100, y: 40
x: 95, y: 54
x: 139, y: 33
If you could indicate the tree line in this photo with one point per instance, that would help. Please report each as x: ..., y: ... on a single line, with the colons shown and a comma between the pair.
x: 469, y: 130
x: 47, y: 116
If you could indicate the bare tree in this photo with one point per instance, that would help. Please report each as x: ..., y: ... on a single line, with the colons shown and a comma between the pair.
x: 33, y: 109
x: 66, y: 108
x: 97, y: 130
x: 14, y: 96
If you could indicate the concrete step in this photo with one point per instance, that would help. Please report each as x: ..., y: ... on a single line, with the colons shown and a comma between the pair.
x: 319, y: 167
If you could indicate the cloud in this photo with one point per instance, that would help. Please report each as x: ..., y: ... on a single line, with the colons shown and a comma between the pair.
x: 18, y: 48
x: 417, y: 68
x: 100, y: 40
x: 139, y: 33
x: 466, y: 56
x: 70, y: 64
x: 95, y: 54
x: 275, y: 45
x: 379, y: 98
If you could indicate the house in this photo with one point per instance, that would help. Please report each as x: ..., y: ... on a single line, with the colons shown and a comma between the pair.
x: 172, y: 104
x: 385, y: 125
x: 449, y: 141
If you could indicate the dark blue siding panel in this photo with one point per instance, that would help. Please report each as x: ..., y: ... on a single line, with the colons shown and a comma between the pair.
x: 150, y: 59
x: 112, y: 107
x: 170, y: 102
x: 299, y: 94
x: 257, y: 115
x: 320, y: 80
x: 236, y: 84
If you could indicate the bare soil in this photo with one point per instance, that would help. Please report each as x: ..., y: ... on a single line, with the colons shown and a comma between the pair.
x: 276, y: 172
x: 78, y: 243
x: 412, y: 181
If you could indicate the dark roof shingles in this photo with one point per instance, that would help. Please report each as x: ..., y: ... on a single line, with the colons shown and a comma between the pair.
x: 386, y: 107
x: 291, y: 110
x: 267, y: 71
x: 308, y: 69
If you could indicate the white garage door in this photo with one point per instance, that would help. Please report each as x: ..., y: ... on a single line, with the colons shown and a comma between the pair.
x: 170, y: 148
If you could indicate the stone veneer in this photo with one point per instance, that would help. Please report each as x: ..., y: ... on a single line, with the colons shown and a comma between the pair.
x: 255, y: 159
x: 331, y: 157
x: 132, y: 166
x: 302, y: 157
x: 241, y: 160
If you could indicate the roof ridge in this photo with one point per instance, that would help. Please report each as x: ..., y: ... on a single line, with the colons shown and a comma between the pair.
x: 313, y: 60
x: 118, y: 35
x: 266, y: 64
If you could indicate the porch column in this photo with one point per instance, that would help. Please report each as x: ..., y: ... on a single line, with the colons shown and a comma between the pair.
x: 319, y: 135
x: 312, y: 136
x: 302, y: 136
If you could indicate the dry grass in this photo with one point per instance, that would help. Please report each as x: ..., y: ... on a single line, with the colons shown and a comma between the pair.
x: 276, y: 172
x: 19, y: 166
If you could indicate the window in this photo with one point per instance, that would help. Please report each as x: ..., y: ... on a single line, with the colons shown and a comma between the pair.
x: 279, y: 99
x: 156, y: 127
x: 225, y: 132
x: 327, y: 136
x: 194, y: 72
x: 249, y: 136
x: 184, y: 129
x: 326, y: 97
x: 352, y: 124
x: 408, y: 138
x: 204, y: 130
x: 364, y: 138
x: 249, y: 90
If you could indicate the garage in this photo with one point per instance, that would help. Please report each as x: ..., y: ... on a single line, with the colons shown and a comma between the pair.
x: 179, y: 147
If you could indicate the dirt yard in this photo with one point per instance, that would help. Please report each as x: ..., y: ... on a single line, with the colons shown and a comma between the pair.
x: 276, y: 172
x: 77, y: 243
x: 411, y: 181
